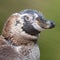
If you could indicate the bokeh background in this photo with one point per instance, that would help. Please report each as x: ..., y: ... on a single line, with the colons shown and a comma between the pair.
x: 49, y: 40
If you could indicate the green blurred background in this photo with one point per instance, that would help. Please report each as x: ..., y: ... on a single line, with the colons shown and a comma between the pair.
x: 49, y: 41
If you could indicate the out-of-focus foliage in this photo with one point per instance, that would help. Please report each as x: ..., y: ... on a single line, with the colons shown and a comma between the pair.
x: 49, y: 41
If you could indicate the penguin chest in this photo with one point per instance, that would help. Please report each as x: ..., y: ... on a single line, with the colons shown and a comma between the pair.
x: 29, y: 53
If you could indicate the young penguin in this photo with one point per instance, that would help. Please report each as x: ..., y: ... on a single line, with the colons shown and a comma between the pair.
x: 20, y: 33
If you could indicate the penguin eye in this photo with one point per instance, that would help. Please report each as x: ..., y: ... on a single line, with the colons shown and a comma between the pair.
x: 26, y: 18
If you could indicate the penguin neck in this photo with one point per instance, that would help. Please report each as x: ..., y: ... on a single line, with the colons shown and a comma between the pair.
x: 22, y: 39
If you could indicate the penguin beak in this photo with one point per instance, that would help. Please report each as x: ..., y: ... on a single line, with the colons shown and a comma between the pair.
x: 45, y: 24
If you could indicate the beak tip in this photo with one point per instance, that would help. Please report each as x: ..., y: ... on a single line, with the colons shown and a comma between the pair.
x: 52, y: 25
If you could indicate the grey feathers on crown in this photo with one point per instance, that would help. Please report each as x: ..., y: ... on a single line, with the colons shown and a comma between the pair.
x: 32, y: 12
